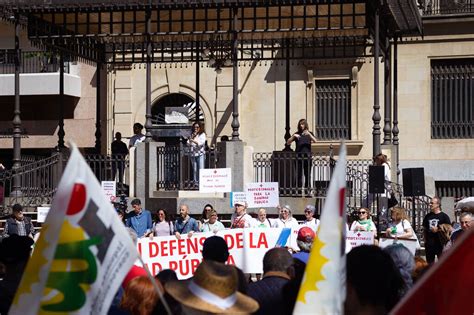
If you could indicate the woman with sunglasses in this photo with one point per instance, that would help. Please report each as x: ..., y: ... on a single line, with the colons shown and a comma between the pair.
x: 364, y: 222
x: 285, y: 219
x: 310, y: 220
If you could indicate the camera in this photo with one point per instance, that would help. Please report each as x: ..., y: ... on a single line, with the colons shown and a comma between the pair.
x: 122, y: 204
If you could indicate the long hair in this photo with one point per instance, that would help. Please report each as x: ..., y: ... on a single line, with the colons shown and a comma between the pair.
x: 157, y: 215
x: 305, y: 123
x: 400, y: 213
x: 204, y: 212
x: 380, y: 159
x: 201, y: 127
x: 140, y: 296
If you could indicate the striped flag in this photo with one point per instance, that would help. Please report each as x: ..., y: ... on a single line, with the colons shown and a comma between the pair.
x: 82, y: 254
x: 322, y: 290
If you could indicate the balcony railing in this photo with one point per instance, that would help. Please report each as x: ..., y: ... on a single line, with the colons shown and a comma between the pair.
x: 445, y: 7
x: 31, y: 62
x: 175, y: 167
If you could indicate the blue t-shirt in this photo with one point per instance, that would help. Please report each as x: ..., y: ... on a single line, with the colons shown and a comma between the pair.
x: 140, y: 223
x: 186, y: 227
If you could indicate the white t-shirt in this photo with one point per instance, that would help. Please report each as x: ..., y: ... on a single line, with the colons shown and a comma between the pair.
x: 198, y: 149
x: 401, y: 228
x: 243, y: 221
x: 314, y: 223
x: 356, y: 226
x: 290, y: 223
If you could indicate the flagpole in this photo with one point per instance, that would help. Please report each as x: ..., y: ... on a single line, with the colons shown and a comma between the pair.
x: 157, y: 288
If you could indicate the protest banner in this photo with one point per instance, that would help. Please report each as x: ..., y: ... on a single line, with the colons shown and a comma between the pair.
x: 215, y: 180
x: 358, y: 238
x: 263, y: 194
x: 246, y: 247
x: 109, y: 189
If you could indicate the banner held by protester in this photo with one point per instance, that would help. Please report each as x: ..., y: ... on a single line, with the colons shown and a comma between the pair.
x: 83, y: 252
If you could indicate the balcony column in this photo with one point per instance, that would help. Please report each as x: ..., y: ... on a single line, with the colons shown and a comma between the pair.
x: 198, y: 82
x: 287, y: 101
x: 148, y: 77
x: 387, y: 128
x: 395, y: 130
x: 61, y: 132
x: 16, y: 189
x: 376, y: 115
x: 98, y: 134
x: 235, y: 84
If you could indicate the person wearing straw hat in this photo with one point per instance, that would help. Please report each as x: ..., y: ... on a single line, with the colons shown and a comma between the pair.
x: 213, y: 289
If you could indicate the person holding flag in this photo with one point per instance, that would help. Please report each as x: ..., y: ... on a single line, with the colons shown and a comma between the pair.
x: 82, y: 254
x: 322, y: 290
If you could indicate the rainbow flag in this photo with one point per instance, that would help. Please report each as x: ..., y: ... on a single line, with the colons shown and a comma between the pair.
x: 323, y: 289
x: 82, y: 254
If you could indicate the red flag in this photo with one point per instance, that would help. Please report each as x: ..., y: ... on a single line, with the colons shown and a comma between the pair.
x: 447, y: 287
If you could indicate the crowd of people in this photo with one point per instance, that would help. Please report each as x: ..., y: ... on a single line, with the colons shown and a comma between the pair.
x: 220, y: 288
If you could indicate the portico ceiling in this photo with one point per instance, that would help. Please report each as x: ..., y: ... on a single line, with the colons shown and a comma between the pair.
x: 119, y: 31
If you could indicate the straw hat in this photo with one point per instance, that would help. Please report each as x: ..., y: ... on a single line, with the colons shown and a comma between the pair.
x: 213, y: 289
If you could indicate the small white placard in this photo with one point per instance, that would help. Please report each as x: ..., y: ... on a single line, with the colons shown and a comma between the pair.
x: 215, y: 180
x: 237, y: 196
x: 358, y: 238
x: 42, y: 213
x: 109, y: 188
x: 262, y: 194
x: 408, y: 243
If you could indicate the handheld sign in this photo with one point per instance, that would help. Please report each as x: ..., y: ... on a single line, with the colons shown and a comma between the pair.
x: 262, y: 194
x: 215, y: 180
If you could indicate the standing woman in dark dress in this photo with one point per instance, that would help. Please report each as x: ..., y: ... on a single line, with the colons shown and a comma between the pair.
x: 303, y: 138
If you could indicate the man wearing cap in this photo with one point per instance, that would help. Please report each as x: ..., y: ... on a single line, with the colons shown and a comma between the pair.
x: 18, y: 223
x: 240, y: 218
x: 268, y: 292
x: 310, y: 220
x: 139, y: 219
x: 305, y: 241
x: 185, y: 224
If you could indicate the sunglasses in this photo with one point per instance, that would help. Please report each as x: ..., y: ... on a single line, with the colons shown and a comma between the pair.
x: 308, y: 211
x: 362, y: 212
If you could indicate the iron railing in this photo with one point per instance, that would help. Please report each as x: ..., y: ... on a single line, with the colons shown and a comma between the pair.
x: 175, y: 168
x: 38, y: 182
x: 30, y: 62
x: 282, y: 167
x: 442, y: 7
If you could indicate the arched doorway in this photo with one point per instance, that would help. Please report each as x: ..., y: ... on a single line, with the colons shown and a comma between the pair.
x: 170, y: 132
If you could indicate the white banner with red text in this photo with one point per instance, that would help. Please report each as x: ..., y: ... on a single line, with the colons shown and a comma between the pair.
x: 246, y: 247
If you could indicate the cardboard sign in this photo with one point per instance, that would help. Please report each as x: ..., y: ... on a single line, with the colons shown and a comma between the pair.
x: 109, y: 189
x: 42, y: 213
x: 215, y: 180
x: 411, y: 244
x: 358, y: 238
x: 237, y: 196
x: 262, y: 194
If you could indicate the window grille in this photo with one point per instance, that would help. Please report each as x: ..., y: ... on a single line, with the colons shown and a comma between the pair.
x: 452, y: 99
x: 456, y: 189
x: 333, y: 109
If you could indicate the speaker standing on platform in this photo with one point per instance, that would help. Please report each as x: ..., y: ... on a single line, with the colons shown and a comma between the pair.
x: 381, y: 160
x: 303, y: 138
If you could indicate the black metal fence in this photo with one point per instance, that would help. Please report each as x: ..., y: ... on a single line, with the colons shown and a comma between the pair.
x: 175, y: 167
x: 441, y: 7
x: 287, y: 168
x: 30, y: 62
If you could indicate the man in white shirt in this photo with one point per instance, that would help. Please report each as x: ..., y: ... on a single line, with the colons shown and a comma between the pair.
x: 240, y: 219
x: 138, y: 136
